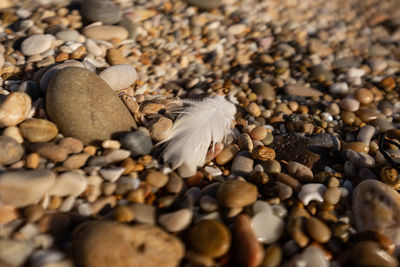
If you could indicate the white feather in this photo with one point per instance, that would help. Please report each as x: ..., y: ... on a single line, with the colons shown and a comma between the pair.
x: 199, y: 125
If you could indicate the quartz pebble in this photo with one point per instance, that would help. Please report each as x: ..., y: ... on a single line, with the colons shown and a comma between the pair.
x: 311, y: 192
x: 313, y: 256
x: 267, y: 233
x: 35, y: 44
x: 119, y: 77
x: 23, y: 188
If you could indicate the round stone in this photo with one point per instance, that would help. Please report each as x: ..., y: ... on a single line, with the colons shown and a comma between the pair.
x: 119, y: 77
x: 272, y: 166
x: 356, y: 146
x: 68, y: 35
x: 14, y: 108
x: 50, y: 151
x: 69, y: 184
x: 123, y: 214
x: 332, y: 195
x: 227, y: 154
x: 35, y: 44
x: 10, y: 150
x: 364, y: 95
x: 236, y: 194
x: 349, y: 104
x: 105, y: 32
x: 156, y: 179
x: 71, y: 145
x: 137, y: 142
x: 258, y: 133
x: 38, y: 130
x: 23, y: 188
x: 265, y: 90
x: 83, y: 106
x: 205, y: 4
x: 318, y: 230
x: 14, y: 133
x: 211, y: 238
x: 348, y: 117
x: 134, y: 246
x: 101, y: 10
x: 242, y: 164
x: 267, y: 233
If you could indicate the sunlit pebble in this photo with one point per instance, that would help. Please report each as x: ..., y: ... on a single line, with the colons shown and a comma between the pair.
x: 311, y: 192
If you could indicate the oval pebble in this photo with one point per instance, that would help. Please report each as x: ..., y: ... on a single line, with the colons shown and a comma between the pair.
x: 105, y: 32
x: 365, y: 134
x: 318, y: 230
x: 176, y: 221
x: 119, y: 77
x: 69, y: 184
x: 267, y: 233
x: 10, y: 150
x: 236, y: 194
x: 349, y: 104
x: 137, y: 142
x: 68, y: 35
x: 14, y: 108
x: 104, y: 10
x: 35, y: 44
x: 38, y: 130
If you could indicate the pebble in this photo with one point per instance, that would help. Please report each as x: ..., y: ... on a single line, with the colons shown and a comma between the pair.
x: 176, y: 221
x: 105, y: 32
x: 68, y: 35
x: 38, y: 130
x: 311, y: 192
x: 159, y: 128
x: 139, y: 245
x: 14, y: 133
x: 71, y: 145
x: 364, y: 96
x: 374, y: 207
x: 144, y: 213
x: 1, y: 60
x: 123, y: 214
x: 356, y: 146
x: 332, y: 195
x: 339, y: 88
x: 115, y: 57
x: 267, y: 233
x: 45, y: 80
x: 301, y: 172
x: 236, y: 194
x: 245, y: 143
x: 83, y: 106
x: 137, y: 142
x: 313, y: 256
x: 247, y: 251
x: 265, y: 90
x: 14, y: 108
x: 227, y: 154
x: 116, y: 155
x: 258, y: 133
x: 76, y: 161
x: 23, y: 188
x: 210, y: 238
x: 242, y: 164
x: 360, y: 159
x: 119, y: 77
x: 111, y: 174
x: 321, y: 73
x: 208, y: 204
x: 365, y: 134
x: 69, y: 184
x: 208, y: 4
x: 272, y: 166
x: 104, y: 10
x: 349, y: 104
x: 10, y: 151
x: 50, y: 151
x: 300, y: 90
x: 13, y: 252
x: 36, y: 44
x: 273, y: 256
x: 318, y: 230
x: 369, y: 253
x: 156, y: 179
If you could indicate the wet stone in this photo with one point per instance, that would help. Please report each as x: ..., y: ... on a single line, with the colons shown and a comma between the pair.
x: 236, y: 194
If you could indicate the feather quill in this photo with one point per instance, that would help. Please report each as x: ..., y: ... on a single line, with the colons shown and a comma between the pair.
x: 198, y: 125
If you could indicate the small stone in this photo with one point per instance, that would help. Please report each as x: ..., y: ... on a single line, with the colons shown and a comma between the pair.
x: 227, y: 154
x: 360, y: 159
x: 208, y: 4
x: 175, y: 183
x: 35, y: 44
x: 300, y: 90
x: 301, y: 172
x: 313, y: 256
x: 14, y: 133
x: 71, y: 145
x: 83, y: 106
x: 349, y: 104
x: 115, y: 57
x: 31, y: 88
x: 156, y: 179
x: 311, y: 192
x: 14, y: 253
x: 318, y: 230
x: 356, y: 146
x: 263, y: 153
x: 50, y: 151
x: 116, y: 155
x: 267, y: 233
x: 258, y: 133
x: 159, y: 128
x: 139, y: 245
x: 23, y: 188
x: 211, y: 238
x: 176, y: 221
x: 321, y: 73
x: 248, y: 252
x: 105, y: 11
x: 253, y: 109
x: 10, y: 150
x: 33, y: 213
x: 76, y: 161
x: 365, y: 134
x: 111, y: 174
x: 236, y: 194
x: 68, y: 35
x: 332, y: 195
x: 69, y: 184
x: 137, y: 142
x: 38, y: 130
x: 8, y: 214
x: 242, y: 164
x: 272, y: 166
x: 265, y: 90
x: 144, y: 213
x: 273, y: 256
x: 245, y: 143
x: 364, y: 96
x: 119, y: 77
x: 14, y: 108
x: 55, y: 224
x: 123, y: 214
x: 339, y: 88
x: 105, y: 32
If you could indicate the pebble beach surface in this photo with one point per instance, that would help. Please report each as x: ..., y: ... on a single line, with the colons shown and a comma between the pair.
x: 308, y: 177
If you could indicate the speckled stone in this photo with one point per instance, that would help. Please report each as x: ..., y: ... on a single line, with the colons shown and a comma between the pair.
x: 101, y: 10
x: 83, y: 106
x: 10, y: 150
x: 14, y: 108
x: 38, y: 130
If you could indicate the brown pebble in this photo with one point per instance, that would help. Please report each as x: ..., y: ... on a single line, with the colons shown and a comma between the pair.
x: 156, y: 179
x: 91, y: 150
x: 273, y: 256
x: 263, y: 153
x: 76, y: 161
x: 289, y: 180
x: 348, y: 117
x: 258, y: 133
x: 72, y: 145
x: 8, y: 214
x: 245, y: 143
x: 53, y: 223
x: 33, y: 213
x: 364, y: 95
x: 79, y: 52
x: 50, y: 151
x: 318, y: 230
x: 356, y: 146
x: 227, y: 154
x: 247, y: 251
x: 32, y: 160
x: 115, y: 57
x: 136, y: 196
x: 38, y: 130
x: 253, y: 109
x: 236, y: 194
x: 123, y: 214
x: 332, y: 195
x: 175, y: 183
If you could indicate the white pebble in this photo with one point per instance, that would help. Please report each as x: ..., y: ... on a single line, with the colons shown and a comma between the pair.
x: 339, y: 88
x: 314, y: 257
x: 69, y: 183
x: 270, y: 232
x: 35, y: 44
x: 84, y: 209
x: 311, y: 192
x: 119, y: 77
x: 111, y: 174
x: 176, y: 221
